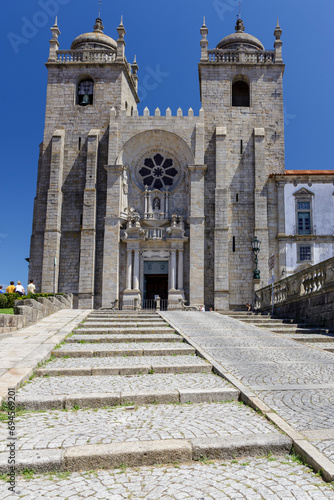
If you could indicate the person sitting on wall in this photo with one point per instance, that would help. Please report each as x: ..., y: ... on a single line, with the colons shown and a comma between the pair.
x: 31, y: 287
x: 249, y: 306
x: 10, y: 288
x: 19, y: 288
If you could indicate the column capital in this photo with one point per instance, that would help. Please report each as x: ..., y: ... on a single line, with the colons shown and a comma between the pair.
x: 259, y: 132
x: 197, y: 168
x: 94, y: 132
x: 114, y: 169
x: 221, y: 131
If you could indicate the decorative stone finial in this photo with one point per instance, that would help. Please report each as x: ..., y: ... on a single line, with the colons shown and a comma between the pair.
x: 55, y: 30
x: 120, y: 53
x: 278, y: 32
x: 240, y: 27
x: 54, y: 44
x: 278, y: 44
x: 134, y: 66
x: 121, y: 30
x: 204, y: 42
x: 98, y: 26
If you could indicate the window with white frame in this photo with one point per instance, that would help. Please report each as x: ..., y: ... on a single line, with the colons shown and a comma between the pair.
x: 303, y: 199
x: 304, y: 253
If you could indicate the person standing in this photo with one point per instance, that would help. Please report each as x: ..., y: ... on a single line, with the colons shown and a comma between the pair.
x: 10, y: 288
x: 31, y: 287
x: 19, y: 288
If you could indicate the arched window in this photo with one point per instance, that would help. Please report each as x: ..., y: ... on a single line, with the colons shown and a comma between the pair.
x: 240, y: 93
x: 85, y: 92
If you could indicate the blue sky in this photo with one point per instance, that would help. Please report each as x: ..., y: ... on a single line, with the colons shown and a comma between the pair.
x: 165, y: 37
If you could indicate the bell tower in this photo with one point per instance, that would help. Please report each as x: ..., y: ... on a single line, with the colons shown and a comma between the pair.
x: 84, y: 83
x: 241, y: 88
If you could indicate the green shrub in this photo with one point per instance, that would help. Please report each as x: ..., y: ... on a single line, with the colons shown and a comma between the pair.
x: 3, y: 301
x: 11, y: 297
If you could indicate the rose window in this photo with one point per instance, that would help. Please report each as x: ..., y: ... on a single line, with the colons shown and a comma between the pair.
x: 158, y: 172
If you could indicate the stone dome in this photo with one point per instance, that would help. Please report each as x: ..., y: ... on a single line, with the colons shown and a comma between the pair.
x: 94, y: 40
x: 240, y: 39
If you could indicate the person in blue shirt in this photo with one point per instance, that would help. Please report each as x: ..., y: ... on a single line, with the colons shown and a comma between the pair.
x: 1, y: 289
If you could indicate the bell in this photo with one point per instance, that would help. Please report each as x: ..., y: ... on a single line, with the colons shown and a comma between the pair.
x: 85, y: 100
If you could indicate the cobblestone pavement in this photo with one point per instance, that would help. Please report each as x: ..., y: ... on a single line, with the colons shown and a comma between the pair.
x: 97, y: 362
x: 326, y: 447
x: 275, y: 355
x: 255, y: 479
x: 124, y: 338
x: 268, y: 374
x: 54, y: 429
x: 294, y: 379
x: 304, y: 409
x: 43, y: 386
x: 119, y: 347
x: 243, y: 341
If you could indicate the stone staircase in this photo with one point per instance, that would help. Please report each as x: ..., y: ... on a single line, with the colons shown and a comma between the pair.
x: 312, y: 335
x: 125, y: 388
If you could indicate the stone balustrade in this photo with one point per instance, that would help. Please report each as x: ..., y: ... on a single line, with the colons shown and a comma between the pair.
x: 155, y: 233
x: 308, y: 294
x: 239, y: 56
x: 89, y: 55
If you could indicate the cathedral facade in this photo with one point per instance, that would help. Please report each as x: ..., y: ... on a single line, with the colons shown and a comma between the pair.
x: 132, y: 207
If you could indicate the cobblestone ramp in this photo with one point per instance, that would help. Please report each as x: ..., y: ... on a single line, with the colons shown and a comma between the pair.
x: 104, y: 400
x: 290, y: 381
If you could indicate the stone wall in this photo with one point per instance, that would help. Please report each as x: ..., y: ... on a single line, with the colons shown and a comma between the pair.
x: 29, y: 311
x: 307, y: 296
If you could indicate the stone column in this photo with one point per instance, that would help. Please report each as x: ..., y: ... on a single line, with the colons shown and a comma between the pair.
x: 52, y: 235
x: 173, y: 269
x: 88, y: 231
x: 136, y: 270
x: 110, y: 275
x: 221, y: 264
x: 129, y: 270
x: 197, y: 220
x: 260, y: 203
x: 180, y: 271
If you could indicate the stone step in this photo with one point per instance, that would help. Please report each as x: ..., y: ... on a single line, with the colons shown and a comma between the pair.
x: 142, y: 436
x: 121, y: 324
x: 314, y: 338
x: 124, y: 366
x: 299, y: 331
x: 151, y: 337
x: 130, y: 349
x: 117, y: 330
x: 84, y: 400
x: 324, y: 346
x: 256, y: 319
x: 282, y: 326
x: 120, y: 314
x: 54, y: 387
